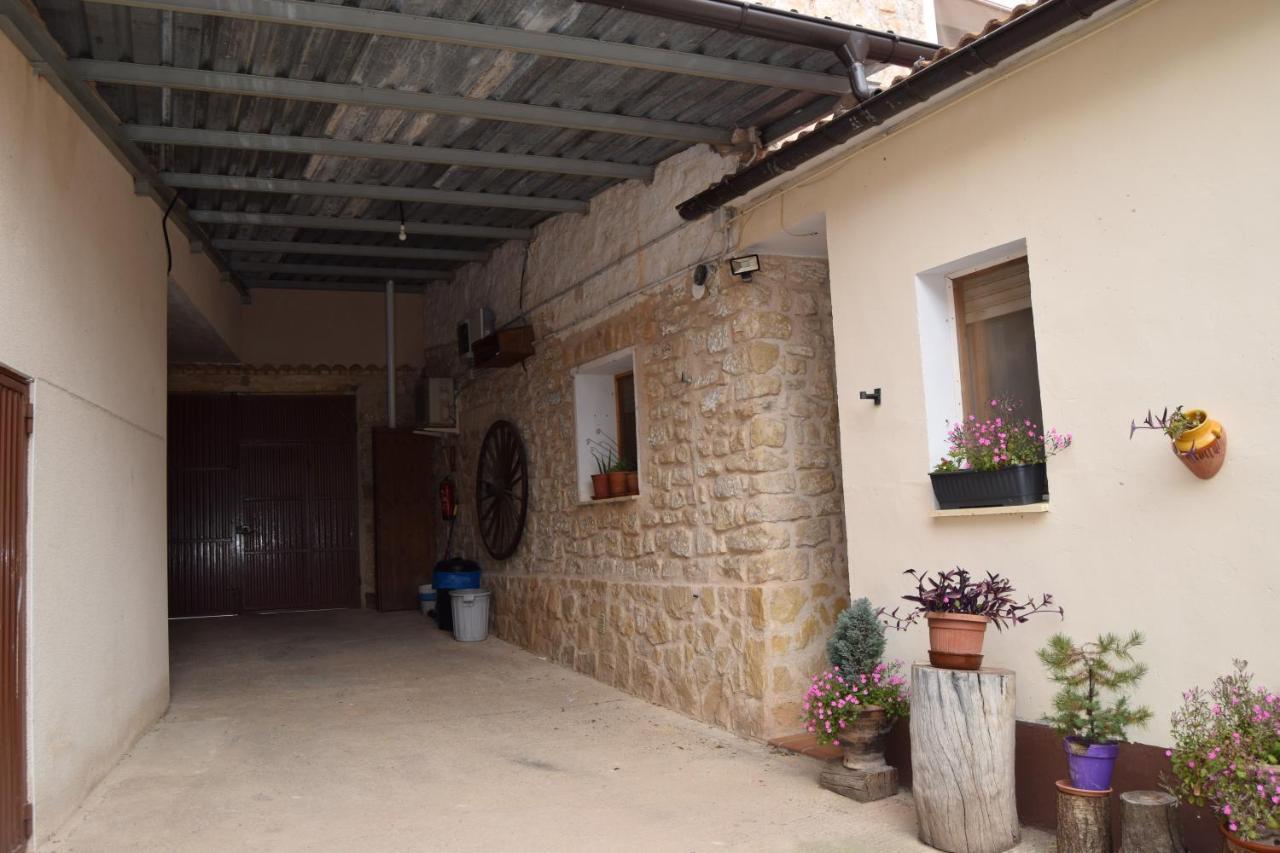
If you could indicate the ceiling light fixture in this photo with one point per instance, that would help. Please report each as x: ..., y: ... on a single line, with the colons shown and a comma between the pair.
x: 404, y: 235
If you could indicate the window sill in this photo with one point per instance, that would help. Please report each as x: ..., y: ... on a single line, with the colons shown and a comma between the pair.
x: 618, y: 499
x: 1026, y: 509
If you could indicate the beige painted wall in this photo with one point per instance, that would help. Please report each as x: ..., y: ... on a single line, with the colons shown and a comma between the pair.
x: 82, y: 312
x: 319, y: 327
x: 1149, y: 205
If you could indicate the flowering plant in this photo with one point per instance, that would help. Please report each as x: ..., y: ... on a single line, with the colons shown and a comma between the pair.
x: 956, y: 592
x: 833, y: 702
x: 1226, y: 753
x: 1000, y: 441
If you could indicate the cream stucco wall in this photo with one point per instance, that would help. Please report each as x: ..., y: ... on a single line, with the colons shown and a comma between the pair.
x: 82, y: 312
x: 1148, y: 193
x: 322, y: 327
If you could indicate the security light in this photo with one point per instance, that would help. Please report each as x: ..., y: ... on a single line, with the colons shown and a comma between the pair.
x: 743, y: 267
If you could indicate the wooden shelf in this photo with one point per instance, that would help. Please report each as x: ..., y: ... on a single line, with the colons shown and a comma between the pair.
x: 504, y: 347
x: 1026, y: 509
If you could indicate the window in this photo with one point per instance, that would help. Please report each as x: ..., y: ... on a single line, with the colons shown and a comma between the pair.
x: 996, y: 338
x: 606, y: 418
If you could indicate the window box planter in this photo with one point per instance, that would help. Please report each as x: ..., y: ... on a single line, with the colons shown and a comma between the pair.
x: 1017, y: 485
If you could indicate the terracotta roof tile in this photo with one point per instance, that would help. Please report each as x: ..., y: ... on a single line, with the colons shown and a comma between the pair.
x: 969, y: 38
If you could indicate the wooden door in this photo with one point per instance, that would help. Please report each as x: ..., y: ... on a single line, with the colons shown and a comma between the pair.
x: 262, y: 504
x: 406, y: 509
x: 15, y: 422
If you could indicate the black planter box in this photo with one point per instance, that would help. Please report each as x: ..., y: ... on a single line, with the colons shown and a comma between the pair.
x: 1016, y: 485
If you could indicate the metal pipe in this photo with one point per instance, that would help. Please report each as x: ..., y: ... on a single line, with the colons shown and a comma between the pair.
x: 391, y: 354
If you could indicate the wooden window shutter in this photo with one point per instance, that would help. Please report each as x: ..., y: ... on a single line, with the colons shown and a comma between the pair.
x: 995, y: 291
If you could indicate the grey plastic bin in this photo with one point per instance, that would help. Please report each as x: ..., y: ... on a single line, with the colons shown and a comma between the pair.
x: 470, y: 614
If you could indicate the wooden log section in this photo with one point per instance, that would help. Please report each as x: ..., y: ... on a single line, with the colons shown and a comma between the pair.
x: 1084, y: 821
x: 962, y: 736
x: 1149, y: 823
x: 864, y: 786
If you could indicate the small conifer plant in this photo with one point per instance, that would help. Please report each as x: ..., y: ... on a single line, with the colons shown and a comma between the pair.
x: 857, y: 644
x: 1091, y: 707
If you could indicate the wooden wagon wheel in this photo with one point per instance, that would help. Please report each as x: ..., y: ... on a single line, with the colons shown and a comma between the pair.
x: 502, y: 490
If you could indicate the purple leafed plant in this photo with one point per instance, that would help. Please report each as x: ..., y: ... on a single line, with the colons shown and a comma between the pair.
x: 956, y: 591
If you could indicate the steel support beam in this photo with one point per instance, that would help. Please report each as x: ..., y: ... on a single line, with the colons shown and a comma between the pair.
x: 284, y: 247
x: 399, y: 25
x: 342, y: 223
x: 352, y: 272
x: 353, y: 286
x: 383, y: 151
x: 252, y: 85
x: 236, y: 183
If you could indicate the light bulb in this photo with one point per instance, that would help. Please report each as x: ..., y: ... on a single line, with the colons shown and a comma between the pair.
x: 404, y: 235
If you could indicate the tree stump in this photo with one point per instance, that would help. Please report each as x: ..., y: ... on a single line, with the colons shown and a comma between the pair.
x: 864, y: 786
x: 1149, y: 823
x: 962, y: 736
x: 1084, y: 820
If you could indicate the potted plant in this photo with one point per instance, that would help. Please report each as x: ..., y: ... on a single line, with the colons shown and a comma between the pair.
x: 958, y: 609
x: 600, y: 479
x: 998, y: 461
x: 1093, y: 724
x: 1226, y: 755
x: 618, y: 478
x: 1198, y: 440
x: 858, y: 700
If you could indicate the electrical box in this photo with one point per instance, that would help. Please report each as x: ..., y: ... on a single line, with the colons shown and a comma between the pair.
x: 473, y: 329
x: 435, y: 404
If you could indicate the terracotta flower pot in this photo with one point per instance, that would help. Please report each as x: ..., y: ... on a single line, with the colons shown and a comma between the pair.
x: 599, y: 486
x: 1203, y: 449
x: 864, y: 739
x: 955, y: 640
x: 1236, y: 844
x: 633, y: 482
x: 617, y: 483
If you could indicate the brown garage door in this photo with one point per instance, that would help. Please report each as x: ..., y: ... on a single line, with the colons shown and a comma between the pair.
x: 14, y: 426
x: 262, y: 504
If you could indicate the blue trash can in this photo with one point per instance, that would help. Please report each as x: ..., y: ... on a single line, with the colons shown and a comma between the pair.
x: 449, y: 575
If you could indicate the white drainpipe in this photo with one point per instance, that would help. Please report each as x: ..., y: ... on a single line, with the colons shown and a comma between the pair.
x: 391, y: 354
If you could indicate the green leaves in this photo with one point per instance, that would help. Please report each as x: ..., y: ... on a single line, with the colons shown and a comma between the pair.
x: 857, y: 643
x: 1089, y: 673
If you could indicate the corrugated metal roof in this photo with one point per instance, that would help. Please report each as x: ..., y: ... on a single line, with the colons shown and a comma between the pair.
x: 152, y: 37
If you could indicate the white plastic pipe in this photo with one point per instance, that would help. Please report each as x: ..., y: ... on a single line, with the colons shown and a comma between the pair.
x: 391, y: 354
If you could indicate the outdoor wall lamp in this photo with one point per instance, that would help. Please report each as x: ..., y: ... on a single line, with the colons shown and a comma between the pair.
x: 743, y: 267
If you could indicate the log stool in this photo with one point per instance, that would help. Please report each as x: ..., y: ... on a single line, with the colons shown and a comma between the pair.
x: 1149, y: 823
x: 1084, y: 820
x: 962, y: 735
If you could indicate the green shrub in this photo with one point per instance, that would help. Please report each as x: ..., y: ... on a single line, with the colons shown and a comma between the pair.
x: 857, y: 644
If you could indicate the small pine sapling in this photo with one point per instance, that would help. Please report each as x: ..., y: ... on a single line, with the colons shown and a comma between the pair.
x: 857, y: 644
x: 1089, y: 674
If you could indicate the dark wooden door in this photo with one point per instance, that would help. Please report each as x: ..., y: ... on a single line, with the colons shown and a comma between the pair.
x: 263, y: 504
x: 406, y: 509
x: 14, y: 426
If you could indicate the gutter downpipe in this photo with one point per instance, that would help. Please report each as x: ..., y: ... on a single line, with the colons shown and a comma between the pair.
x: 391, y: 354
x: 982, y: 54
x: 853, y: 46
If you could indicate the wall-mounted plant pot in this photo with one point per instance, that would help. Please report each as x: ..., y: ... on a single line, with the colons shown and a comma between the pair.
x: 633, y: 482
x: 1090, y: 765
x: 1203, y: 449
x: 617, y: 484
x: 599, y: 486
x: 1017, y: 485
x: 955, y: 640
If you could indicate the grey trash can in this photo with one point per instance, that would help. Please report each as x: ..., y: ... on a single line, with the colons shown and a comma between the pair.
x: 470, y: 614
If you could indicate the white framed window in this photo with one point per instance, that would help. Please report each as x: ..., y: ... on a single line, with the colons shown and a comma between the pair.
x: 977, y: 338
x: 606, y: 415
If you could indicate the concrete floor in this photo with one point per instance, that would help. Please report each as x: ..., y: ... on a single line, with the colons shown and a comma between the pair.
x: 353, y: 731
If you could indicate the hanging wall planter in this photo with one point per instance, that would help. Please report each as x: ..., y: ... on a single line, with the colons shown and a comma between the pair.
x: 1197, y: 439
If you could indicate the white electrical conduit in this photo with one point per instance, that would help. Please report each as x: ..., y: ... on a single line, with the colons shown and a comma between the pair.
x: 391, y: 354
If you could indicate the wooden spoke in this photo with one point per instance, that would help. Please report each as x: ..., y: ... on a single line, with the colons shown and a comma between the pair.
x: 502, y: 489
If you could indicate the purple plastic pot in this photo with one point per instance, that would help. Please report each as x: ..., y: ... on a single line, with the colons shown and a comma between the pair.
x: 1090, y: 766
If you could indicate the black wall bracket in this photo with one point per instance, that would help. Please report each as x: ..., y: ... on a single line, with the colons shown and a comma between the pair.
x: 870, y: 395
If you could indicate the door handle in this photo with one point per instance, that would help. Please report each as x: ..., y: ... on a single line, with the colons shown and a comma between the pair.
x: 243, y: 529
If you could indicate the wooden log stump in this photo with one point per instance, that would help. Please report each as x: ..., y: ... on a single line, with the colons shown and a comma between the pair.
x: 1084, y: 820
x: 962, y: 736
x: 864, y: 786
x: 1149, y: 823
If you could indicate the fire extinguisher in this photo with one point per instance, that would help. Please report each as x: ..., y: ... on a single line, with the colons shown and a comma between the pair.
x: 448, y: 500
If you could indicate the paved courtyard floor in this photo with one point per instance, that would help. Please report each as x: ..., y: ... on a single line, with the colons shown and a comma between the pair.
x: 356, y: 731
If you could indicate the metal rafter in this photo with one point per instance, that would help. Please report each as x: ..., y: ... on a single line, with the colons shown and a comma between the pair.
x: 285, y: 247
x: 383, y: 151
x: 252, y: 85
x: 245, y: 184
x: 400, y: 25
x: 336, y: 269
x: 352, y: 286
x: 342, y: 223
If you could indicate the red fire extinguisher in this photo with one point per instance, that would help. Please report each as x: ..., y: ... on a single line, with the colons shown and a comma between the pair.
x: 448, y: 500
